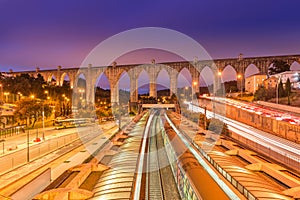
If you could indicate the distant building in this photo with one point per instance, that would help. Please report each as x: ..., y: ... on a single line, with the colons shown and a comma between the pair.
x: 271, y: 82
x: 253, y: 82
x: 294, y: 77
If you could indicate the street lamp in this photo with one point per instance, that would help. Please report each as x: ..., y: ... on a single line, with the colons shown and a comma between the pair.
x: 32, y: 96
x: 20, y: 95
x: 6, y: 96
x: 43, y: 115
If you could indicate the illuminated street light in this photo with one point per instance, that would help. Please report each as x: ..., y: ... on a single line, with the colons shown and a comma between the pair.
x: 32, y: 96
x: 19, y: 96
x: 6, y: 96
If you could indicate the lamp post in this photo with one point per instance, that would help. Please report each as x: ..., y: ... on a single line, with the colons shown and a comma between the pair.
x: 6, y: 96
x: 20, y: 96
x: 43, y: 117
x: 28, y: 159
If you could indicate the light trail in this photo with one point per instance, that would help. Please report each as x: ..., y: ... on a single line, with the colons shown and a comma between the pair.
x: 279, y: 145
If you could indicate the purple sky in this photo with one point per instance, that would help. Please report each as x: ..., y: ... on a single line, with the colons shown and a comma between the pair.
x: 49, y: 33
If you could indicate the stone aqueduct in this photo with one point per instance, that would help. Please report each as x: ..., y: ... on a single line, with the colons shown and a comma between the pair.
x: 114, y: 72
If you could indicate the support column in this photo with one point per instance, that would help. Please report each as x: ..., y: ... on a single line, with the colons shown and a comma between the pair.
x: 90, y: 92
x: 173, y: 83
x: 114, y: 93
x: 58, y: 76
x: 133, y: 88
x: 195, y: 83
x: 153, y: 92
x: 90, y: 87
x: 217, y: 82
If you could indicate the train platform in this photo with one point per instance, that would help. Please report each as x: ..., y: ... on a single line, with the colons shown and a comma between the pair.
x: 118, y: 180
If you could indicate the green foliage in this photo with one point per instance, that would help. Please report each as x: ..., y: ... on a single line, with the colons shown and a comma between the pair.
x: 278, y: 67
x: 230, y: 86
x: 260, y: 94
x: 31, y: 110
x: 263, y: 94
x: 281, y: 91
x: 25, y: 84
x: 288, y: 90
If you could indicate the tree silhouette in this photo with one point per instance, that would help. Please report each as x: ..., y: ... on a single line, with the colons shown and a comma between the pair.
x: 288, y: 89
x: 278, y: 67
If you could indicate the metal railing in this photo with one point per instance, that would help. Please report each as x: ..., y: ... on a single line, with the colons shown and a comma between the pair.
x: 11, y: 131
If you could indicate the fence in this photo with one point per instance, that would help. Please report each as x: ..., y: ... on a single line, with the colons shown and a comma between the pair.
x: 14, y: 130
x: 18, y: 158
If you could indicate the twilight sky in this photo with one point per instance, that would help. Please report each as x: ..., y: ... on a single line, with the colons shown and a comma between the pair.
x: 53, y: 32
x: 49, y: 33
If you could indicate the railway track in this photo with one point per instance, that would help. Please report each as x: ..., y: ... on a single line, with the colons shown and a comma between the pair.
x: 160, y: 183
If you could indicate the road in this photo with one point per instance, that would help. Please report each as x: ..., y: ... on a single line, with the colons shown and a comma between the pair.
x: 260, y: 110
x: 20, y: 141
x: 277, y: 144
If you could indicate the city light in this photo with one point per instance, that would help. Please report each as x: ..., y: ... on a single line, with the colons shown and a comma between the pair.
x: 6, y: 94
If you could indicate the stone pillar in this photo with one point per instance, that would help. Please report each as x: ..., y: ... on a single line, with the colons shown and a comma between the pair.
x: 114, y: 92
x: 173, y: 83
x: 90, y: 87
x: 153, y: 92
x: 152, y: 81
x: 195, y: 82
x: 133, y: 88
x: 217, y: 83
x: 58, y: 76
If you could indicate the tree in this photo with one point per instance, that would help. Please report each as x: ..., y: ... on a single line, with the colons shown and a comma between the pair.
x: 288, y: 89
x: 28, y: 109
x: 260, y: 94
x: 281, y: 92
x: 278, y: 67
